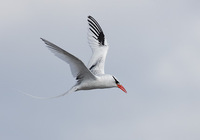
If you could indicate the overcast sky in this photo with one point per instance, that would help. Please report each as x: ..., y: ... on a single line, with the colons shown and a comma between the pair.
x: 154, y: 52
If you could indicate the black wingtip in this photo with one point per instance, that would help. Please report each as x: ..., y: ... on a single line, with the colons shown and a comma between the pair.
x: 42, y: 39
x: 95, y: 28
x: 45, y: 41
x: 90, y: 16
x: 94, y: 20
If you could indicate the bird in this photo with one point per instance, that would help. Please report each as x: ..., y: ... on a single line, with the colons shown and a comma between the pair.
x: 91, y: 76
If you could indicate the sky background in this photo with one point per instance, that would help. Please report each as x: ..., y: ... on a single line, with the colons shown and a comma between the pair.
x: 154, y: 52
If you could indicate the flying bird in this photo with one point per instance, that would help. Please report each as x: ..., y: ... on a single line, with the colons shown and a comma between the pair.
x: 93, y: 76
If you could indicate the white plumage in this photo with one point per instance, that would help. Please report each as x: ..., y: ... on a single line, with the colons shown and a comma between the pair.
x: 93, y: 76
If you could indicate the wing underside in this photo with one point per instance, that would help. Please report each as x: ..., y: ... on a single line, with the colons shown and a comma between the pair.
x: 78, y: 68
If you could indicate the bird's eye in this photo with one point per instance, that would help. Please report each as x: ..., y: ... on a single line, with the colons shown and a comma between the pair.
x: 117, y: 82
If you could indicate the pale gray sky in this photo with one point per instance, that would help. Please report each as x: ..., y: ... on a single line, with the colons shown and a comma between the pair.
x: 154, y: 52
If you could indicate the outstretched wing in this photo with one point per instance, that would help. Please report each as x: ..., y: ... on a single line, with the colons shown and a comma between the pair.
x: 78, y: 69
x: 99, y: 46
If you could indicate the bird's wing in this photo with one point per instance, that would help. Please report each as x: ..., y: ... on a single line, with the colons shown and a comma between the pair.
x: 99, y: 46
x: 78, y: 68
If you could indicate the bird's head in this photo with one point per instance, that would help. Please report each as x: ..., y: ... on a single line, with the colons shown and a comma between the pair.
x: 118, y: 84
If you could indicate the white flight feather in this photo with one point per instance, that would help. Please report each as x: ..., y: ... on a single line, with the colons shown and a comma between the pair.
x: 99, y: 46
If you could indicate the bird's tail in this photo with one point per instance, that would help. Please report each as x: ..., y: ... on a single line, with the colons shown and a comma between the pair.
x: 73, y: 89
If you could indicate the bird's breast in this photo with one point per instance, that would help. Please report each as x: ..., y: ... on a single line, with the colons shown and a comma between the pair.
x: 95, y: 84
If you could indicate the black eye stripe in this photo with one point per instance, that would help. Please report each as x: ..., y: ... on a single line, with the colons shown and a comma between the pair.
x: 117, y: 82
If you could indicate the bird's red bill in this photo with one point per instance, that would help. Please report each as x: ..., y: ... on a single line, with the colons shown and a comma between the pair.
x: 122, y: 88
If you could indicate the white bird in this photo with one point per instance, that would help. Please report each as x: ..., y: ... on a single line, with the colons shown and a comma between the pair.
x: 93, y: 76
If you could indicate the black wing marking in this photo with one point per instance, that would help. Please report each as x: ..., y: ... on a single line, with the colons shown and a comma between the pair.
x: 95, y: 28
x: 94, y: 66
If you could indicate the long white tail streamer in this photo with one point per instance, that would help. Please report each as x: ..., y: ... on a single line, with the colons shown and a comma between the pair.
x: 73, y: 89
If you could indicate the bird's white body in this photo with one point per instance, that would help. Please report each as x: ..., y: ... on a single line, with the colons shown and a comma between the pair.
x: 100, y: 82
x: 93, y: 76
